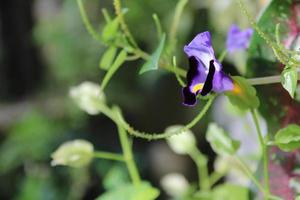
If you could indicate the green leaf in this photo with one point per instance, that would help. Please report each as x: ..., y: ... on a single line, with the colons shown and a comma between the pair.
x: 142, y: 191
x: 229, y: 191
x: 107, y: 58
x: 110, y: 30
x: 221, y: 143
x: 116, y: 176
x: 298, y: 198
x: 289, y: 78
x: 243, y: 95
x: 288, y: 138
x: 115, y: 66
x: 152, y: 63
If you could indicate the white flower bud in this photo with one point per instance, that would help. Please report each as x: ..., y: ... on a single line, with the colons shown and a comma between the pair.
x: 76, y: 153
x: 182, y: 143
x: 87, y: 96
x: 174, y: 184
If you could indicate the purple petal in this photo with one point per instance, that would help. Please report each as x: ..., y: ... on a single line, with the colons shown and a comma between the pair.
x: 222, y: 82
x: 196, y: 74
x: 189, y: 98
x: 205, y: 73
x: 201, y: 48
x: 238, y: 39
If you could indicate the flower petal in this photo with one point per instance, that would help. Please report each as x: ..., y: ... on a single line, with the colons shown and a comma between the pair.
x: 222, y: 82
x: 238, y: 39
x: 208, y: 85
x: 189, y: 98
x: 201, y: 48
x: 197, y: 72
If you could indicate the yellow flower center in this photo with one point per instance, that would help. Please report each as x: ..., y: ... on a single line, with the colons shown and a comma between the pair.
x: 236, y: 89
x: 197, y: 87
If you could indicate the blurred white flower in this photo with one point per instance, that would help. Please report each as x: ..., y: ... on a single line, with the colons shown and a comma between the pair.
x: 174, y: 184
x: 76, y: 153
x: 234, y: 173
x: 87, y: 96
x: 294, y: 183
x: 182, y: 143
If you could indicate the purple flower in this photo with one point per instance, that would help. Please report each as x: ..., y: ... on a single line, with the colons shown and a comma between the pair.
x: 205, y: 73
x: 238, y: 39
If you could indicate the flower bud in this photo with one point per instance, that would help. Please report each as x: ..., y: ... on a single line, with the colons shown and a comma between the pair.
x: 174, y: 184
x: 182, y: 143
x: 76, y: 153
x: 87, y: 96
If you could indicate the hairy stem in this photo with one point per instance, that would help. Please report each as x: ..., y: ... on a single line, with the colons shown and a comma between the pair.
x: 157, y: 136
x: 118, y: 10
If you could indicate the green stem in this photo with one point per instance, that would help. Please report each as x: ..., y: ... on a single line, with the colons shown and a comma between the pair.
x: 87, y: 23
x: 118, y: 10
x: 157, y: 25
x: 108, y: 155
x: 157, y: 136
x: 127, y: 151
x: 222, y: 56
x: 118, y: 119
x: 176, y: 19
x: 248, y: 172
x: 180, y: 81
x: 201, y: 162
x: 264, y: 151
x: 267, y: 80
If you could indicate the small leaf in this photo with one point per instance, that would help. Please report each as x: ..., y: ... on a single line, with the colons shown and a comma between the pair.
x: 221, y: 143
x: 110, y: 30
x: 116, y: 176
x: 130, y: 192
x: 115, y: 66
x: 152, y: 63
x: 289, y: 78
x: 288, y: 138
x: 230, y: 191
x: 108, y: 58
x: 243, y: 95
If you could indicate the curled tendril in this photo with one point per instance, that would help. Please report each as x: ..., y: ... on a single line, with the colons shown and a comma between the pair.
x: 156, y: 136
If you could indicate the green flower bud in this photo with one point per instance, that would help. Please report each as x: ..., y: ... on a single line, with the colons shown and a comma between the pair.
x: 76, y: 153
x: 87, y: 96
x: 182, y: 143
